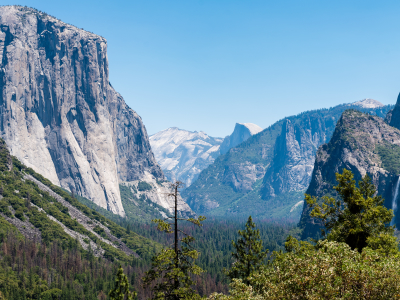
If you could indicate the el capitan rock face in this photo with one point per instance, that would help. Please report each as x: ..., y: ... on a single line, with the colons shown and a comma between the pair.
x: 59, y: 113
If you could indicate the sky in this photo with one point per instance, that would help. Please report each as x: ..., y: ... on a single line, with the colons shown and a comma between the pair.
x: 205, y: 65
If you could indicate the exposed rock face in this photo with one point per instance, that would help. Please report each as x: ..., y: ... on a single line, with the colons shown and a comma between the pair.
x: 159, y: 194
x: 393, y: 116
x: 183, y: 154
x: 266, y: 176
x: 59, y: 113
x: 241, y: 133
x: 294, y: 155
x: 363, y: 144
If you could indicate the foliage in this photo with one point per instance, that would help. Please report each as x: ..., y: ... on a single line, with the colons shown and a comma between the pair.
x: 144, y: 186
x: 249, y: 253
x: 172, y: 269
x: 121, y: 288
x: 358, y: 218
x: 390, y: 156
x: 143, y: 246
x: 329, y: 270
x: 54, y: 270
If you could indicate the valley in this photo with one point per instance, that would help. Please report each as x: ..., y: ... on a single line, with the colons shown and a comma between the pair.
x: 85, y: 191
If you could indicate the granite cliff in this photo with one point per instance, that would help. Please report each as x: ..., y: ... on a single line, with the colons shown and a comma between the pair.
x: 363, y: 144
x: 241, y: 132
x: 266, y: 175
x: 61, y: 116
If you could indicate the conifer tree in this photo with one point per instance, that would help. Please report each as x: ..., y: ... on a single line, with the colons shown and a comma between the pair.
x: 357, y: 216
x: 172, y: 268
x: 249, y: 253
x: 121, y: 287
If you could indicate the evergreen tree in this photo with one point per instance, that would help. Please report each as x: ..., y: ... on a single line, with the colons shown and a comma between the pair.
x: 172, y: 268
x: 357, y: 217
x: 121, y: 287
x: 249, y: 253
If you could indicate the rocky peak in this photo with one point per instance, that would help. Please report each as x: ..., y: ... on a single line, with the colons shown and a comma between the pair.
x: 241, y: 133
x: 184, y: 154
x: 393, y: 116
x: 367, y: 103
x: 363, y: 144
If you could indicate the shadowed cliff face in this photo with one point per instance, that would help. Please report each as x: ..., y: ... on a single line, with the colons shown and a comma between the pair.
x: 363, y: 144
x: 59, y: 113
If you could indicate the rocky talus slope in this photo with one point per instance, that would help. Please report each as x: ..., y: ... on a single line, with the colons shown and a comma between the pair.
x: 266, y: 175
x: 183, y: 154
x: 43, y: 212
x: 59, y: 113
x: 364, y: 144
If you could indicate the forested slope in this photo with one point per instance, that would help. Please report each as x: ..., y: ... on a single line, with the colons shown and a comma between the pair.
x: 50, y: 241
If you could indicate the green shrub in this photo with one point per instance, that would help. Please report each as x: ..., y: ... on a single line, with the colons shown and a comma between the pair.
x: 332, y: 271
x: 144, y: 186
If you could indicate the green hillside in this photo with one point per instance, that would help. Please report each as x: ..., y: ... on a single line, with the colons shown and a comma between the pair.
x: 46, y: 232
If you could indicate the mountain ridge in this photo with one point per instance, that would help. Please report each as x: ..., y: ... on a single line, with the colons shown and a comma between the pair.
x: 266, y: 175
x: 183, y: 154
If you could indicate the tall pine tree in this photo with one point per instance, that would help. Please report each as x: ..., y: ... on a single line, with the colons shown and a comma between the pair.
x: 121, y: 287
x: 249, y: 253
x: 173, y: 268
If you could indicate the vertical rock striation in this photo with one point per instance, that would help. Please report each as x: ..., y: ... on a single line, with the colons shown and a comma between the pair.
x: 60, y: 115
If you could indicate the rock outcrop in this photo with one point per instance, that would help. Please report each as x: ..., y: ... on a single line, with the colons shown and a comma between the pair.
x: 59, y: 113
x: 183, y: 154
x: 266, y: 176
x: 241, y: 133
x: 363, y: 144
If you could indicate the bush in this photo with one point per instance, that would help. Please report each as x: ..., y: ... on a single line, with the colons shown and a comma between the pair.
x: 331, y: 270
x: 144, y: 186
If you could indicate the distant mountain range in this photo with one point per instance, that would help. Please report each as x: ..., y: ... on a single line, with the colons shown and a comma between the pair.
x: 266, y: 176
x: 183, y: 154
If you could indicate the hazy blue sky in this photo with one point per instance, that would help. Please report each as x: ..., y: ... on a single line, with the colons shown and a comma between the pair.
x: 205, y: 65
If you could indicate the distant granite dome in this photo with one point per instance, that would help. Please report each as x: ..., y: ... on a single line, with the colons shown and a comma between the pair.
x: 241, y: 133
x: 183, y: 154
x: 367, y: 103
